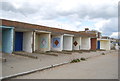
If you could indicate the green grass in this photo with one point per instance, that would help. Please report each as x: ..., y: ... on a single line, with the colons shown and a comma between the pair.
x: 82, y: 58
x: 75, y: 60
x: 103, y: 53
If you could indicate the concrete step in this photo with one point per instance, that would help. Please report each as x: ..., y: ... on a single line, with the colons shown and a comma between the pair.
x: 62, y: 52
x: 47, y: 53
x: 21, y: 53
x: 3, y: 59
x: 101, y: 50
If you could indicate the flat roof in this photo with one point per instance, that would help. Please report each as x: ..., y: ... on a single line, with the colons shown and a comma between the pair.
x: 24, y: 25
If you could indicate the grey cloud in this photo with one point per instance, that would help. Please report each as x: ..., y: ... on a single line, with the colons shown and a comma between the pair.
x: 25, y: 9
x: 6, y: 6
x: 104, y: 11
x: 110, y: 27
x: 28, y: 9
x: 48, y: 14
x: 49, y: 11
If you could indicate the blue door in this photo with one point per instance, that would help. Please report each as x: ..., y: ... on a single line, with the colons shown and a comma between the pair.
x: 18, y: 41
x: 98, y: 45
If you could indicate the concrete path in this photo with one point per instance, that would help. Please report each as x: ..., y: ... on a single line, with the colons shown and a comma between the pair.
x: 101, y: 67
x: 17, y: 64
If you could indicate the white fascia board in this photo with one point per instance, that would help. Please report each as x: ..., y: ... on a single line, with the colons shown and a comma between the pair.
x: 68, y: 35
x: 103, y: 39
x: 40, y: 31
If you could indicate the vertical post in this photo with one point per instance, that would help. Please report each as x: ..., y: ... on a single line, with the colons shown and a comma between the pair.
x: 12, y: 33
x: 32, y: 41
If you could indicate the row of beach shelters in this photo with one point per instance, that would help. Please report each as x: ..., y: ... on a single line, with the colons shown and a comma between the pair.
x: 103, y: 42
x: 20, y: 36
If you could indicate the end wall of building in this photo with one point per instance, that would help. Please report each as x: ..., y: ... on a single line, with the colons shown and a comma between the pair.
x: 7, y: 39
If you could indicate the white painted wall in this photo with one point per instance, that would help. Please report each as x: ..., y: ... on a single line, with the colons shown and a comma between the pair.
x: 36, y: 40
x: 117, y: 47
x: 78, y: 40
x: 61, y: 43
x: 85, y: 43
x: 37, y: 37
x: 108, y: 45
x: 105, y: 44
x: 49, y: 38
x: 67, y: 42
x: 27, y: 41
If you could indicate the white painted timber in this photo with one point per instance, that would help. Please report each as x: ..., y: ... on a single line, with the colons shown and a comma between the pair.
x: 85, y: 43
x: 68, y: 35
x: 67, y: 42
x: 40, y: 31
x: 105, y: 44
x: 27, y: 41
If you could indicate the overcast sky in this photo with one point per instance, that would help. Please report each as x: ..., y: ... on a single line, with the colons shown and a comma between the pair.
x: 101, y: 15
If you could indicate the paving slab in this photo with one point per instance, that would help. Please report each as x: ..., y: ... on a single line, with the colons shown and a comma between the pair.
x: 17, y: 64
x: 101, y: 67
